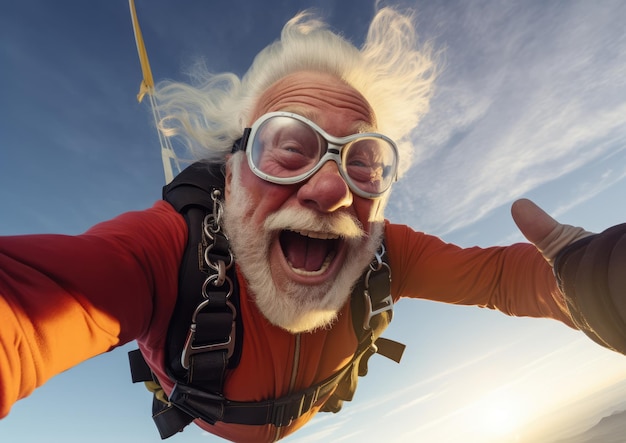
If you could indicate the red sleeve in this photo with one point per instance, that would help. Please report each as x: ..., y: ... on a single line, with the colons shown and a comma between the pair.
x: 513, y: 279
x: 64, y: 299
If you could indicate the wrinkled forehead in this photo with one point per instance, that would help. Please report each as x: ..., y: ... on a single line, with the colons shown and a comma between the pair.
x: 328, y: 101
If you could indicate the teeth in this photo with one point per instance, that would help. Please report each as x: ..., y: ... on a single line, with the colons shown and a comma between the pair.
x: 320, y: 271
x: 320, y: 235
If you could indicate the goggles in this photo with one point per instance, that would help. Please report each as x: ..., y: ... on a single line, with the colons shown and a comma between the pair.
x: 286, y: 148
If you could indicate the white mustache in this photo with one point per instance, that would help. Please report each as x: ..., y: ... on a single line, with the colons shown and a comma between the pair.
x: 302, y: 219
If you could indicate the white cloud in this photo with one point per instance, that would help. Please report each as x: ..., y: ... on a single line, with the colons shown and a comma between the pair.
x: 523, y: 111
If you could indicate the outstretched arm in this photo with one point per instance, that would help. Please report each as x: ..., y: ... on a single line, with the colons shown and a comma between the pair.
x: 590, y: 269
x: 64, y: 299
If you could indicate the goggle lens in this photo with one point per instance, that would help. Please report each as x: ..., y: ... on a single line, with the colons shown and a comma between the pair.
x: 287, y: 148
x: 284, y: 147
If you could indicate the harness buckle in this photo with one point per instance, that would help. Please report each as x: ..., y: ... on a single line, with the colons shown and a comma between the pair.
x: 382, y: 281
x: 370, y: 312
x: 287, y: 409
x: 198, y: 403
x: 189, y: 349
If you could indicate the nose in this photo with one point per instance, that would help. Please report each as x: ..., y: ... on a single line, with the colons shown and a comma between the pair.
x: 326, y: 190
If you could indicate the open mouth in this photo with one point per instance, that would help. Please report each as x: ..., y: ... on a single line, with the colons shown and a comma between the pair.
x: 309, y: 253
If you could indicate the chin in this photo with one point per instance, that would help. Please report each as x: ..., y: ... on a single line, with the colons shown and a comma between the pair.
x: 305, y: 308
x: 294, y: 306
x: 298, y: 319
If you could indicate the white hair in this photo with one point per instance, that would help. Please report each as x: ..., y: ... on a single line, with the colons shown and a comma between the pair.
x: 390, y: 71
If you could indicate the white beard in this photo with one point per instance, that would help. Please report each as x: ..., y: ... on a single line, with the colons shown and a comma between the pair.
x: 295, y: 307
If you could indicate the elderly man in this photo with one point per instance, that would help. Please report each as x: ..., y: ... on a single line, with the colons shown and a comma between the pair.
x: 310, y: 142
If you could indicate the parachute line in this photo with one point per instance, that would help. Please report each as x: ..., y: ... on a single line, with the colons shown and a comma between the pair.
x: 168, y: 156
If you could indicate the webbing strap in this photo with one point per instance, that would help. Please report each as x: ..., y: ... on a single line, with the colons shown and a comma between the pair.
x: 390, y: 348
x: 168, y: 419
x: 187, y: 403
x: 200, y: 303
x: 212, y: 408
x: 139, y: 369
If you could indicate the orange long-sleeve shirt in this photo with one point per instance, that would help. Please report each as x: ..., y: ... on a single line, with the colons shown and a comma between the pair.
x: 64, y: 299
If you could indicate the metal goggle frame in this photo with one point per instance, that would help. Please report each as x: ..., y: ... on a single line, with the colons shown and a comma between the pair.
x: 286, y: 148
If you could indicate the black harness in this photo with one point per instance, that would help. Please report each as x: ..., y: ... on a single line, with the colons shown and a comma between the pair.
x: 204, y: 337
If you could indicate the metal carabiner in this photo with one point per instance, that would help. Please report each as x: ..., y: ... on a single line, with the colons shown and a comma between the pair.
x: 189, y: 349
x: 388, y: 300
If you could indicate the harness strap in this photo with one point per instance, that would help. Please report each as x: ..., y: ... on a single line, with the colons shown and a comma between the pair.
x: 279, y: 412
x: 139, y: 369
x: 389, y: 348
x: 187, y: 402
x: 198, y: 355
x: 168, y: 419
x: 371, y: 306
x: 203, y: 337
x: 204, y: 315
x: 282, y: 411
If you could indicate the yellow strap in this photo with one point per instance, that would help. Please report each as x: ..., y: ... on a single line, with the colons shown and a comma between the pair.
x: 147, y: 84
x: 157, y: 390
x: 168, y: 156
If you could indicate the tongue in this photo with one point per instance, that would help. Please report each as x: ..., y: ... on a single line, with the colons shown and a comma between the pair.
x: 304, y: 252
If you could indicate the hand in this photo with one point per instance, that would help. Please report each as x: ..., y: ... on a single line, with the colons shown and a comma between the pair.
x: 548, y: 235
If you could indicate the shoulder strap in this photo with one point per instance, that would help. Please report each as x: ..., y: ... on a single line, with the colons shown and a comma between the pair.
x: 200, y: 322
x: 372, y: 311
x: 206, y: 307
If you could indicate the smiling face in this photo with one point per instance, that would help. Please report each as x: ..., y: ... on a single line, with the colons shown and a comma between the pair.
x: 301, y: 247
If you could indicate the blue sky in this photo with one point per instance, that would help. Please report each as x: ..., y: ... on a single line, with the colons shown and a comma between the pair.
x: 532, y: 102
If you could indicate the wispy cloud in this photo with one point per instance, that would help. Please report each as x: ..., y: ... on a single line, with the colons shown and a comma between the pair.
x: 522, y: 112
x: 433, y: 386
x: 408, y: 405
x: 589, y: 189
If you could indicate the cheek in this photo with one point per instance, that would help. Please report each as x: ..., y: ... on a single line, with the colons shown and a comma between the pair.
x: 266, y: 197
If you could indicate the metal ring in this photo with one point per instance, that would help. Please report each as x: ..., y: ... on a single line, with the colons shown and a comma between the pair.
x: 207, y: 226
x: 377, y: 263
x: 214, y: 266
x: 367, y: 276
x: 211, y: 279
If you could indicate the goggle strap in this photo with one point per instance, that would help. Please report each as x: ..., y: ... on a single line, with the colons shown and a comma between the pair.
x: 240, y: 144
